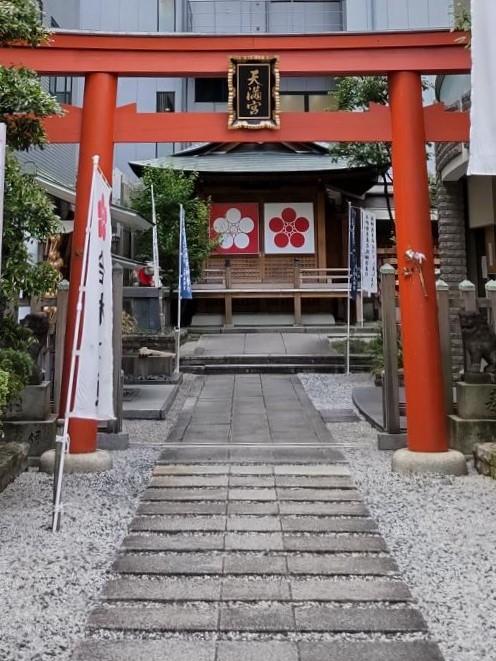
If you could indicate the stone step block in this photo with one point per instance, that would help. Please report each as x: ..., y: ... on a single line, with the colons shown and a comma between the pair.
x: 181, y: 507
x: 170, y: 564
x: 173, y: 617
x: 334, y: 544
x: 376, y: 650
x: 374, y: 619
x: 353, y: 508
x: 175, y: 542
x: 324, y: 524
x: 334, y: 565
x: 318, y: 495
x: 179, y: 524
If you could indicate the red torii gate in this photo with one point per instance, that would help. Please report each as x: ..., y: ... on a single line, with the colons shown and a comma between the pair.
x: 403, y: 57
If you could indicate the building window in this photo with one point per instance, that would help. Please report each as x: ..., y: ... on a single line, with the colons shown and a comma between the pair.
x: 165, y: 101
x: 307, y: 102
x: 61, y: 88
x: 211, y: 90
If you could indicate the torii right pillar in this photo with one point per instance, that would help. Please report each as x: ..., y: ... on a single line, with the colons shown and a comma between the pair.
x: 428, y: 449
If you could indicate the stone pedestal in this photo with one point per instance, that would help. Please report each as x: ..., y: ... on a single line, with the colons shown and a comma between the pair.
x: 476, y: 400
x: 485, y: 459
x: 91, y: 462
x: 32, y: 404
x: 37, y: 435
x: 475, y: 421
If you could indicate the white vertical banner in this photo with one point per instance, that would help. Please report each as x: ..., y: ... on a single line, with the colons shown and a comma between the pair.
x: 368, y: 250
x: 3, y: 148
x: 94, y: 381
x: 482, y: 159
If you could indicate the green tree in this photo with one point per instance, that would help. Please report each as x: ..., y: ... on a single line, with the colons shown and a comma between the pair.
x: 28, y: 212
x: 355, y: 93
x: 172, y: 188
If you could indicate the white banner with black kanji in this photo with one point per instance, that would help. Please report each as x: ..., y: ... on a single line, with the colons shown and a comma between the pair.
x: 94, y: 376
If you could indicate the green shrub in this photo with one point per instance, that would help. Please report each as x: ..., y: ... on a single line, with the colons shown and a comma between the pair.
x: 18, y: 365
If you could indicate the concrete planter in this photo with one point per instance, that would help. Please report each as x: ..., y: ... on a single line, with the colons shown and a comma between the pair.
x: 29, y: 420
x: 33, y: 404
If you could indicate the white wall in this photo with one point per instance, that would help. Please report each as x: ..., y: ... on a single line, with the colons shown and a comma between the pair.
x: 364, y: 15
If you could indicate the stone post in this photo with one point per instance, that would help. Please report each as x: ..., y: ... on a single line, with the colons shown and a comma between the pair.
x: 117, y: 296
x: 62, y: 297
x: 468, y: 304
x: 468, y: 296
x: 443, y: 307
x: 390, y: 388
x: 491, y: 295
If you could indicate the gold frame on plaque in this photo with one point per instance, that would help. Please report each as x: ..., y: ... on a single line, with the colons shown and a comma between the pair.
x: 271, y: 121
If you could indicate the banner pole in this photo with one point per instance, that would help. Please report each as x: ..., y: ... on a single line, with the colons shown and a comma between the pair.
x: 348, y: 310
x: 156, y: 261
x: 64, y: 439
x: 178, y: 329
x: 3, y: 150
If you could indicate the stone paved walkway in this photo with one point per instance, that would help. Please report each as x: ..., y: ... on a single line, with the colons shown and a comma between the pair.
x: 252, y: 543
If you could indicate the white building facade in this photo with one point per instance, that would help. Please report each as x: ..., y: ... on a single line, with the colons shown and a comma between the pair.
x: 218, y: 17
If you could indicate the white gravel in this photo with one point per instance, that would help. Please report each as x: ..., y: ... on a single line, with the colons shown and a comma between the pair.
x: 49, y: 582
x: 441, y: 530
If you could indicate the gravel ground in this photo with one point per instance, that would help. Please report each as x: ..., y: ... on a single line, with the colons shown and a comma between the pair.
x: 49, y: 582
x: 441, y: 530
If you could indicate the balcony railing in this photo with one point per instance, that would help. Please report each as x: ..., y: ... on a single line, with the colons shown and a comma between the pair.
x: 264, y: 16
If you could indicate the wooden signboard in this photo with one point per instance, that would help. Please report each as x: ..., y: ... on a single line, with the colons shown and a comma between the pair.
x: 253, y: 92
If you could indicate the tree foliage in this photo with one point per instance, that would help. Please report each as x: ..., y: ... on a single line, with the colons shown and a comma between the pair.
x: 28, y: 212
x: 172, y: 188
x: 355, y: 93
x: 20, y: 21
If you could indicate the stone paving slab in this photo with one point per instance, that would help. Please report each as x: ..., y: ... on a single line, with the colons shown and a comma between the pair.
x: 154, y: 493
x: 170, y: 563
x: 175, y: 542
x: 195, y: 507
x: 322, y: 589
x: 271, y: 617
x: 320, y: 495
x: 327, y: 524
x: 334, y: 544
x: 189, y: 481
x: 174, y: 617
x: 369, y: 651
x: 145, y: 650
x: 255, y: 523
x: 334, y: 565
x: 323, y: 509
x: 177, y: 524
x: 256, y: 651
x: 246, y: 507
x: 352, y: 620
x: 306, y: 482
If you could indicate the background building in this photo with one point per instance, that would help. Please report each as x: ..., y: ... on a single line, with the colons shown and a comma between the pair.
x: 216, y: 17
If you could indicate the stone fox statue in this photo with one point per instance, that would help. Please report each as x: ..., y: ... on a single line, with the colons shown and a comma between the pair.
x: 479, y: 341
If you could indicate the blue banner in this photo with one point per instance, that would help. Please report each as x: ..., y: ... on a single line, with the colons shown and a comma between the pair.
x: 354, y: 248
x: 185, y: 283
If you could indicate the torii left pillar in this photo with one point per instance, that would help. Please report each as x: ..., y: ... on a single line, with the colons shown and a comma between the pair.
x: 97, y: 138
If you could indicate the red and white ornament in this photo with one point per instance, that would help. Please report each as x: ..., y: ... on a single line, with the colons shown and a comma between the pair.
x: 289, y: 228
x: 236, y: 227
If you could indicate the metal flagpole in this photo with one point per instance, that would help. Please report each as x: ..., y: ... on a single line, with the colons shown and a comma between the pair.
x: 64, y: 439
x: 156, y: 261
x: 178, y: 329
x: 348, y: 311
x: 3, y: 149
